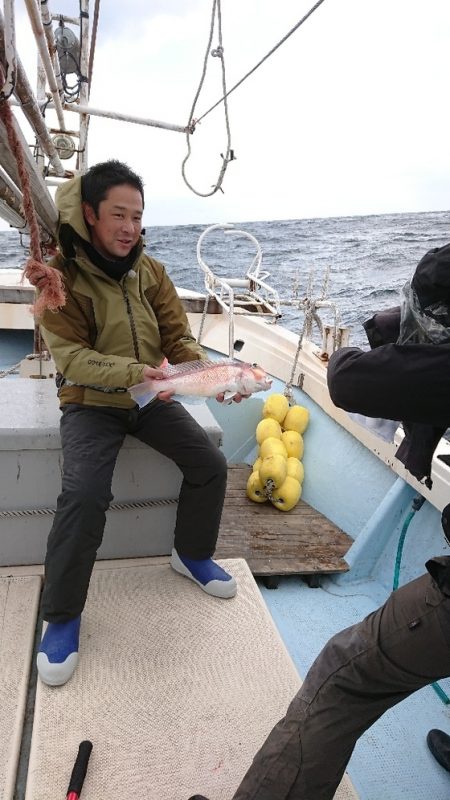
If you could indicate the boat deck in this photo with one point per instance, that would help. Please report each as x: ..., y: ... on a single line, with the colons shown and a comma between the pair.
x: 275, y: 543
x: 176, y: 690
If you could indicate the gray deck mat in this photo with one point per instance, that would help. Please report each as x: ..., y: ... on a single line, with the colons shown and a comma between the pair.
x: 19, y: 600
x: 176, y: 690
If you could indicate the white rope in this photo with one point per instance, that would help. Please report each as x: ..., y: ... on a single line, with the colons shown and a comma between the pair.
x: 5, y: 372
x: 250, y: 72
x: 218, y: 53
x: 309, y: 307
x: 202, y: 321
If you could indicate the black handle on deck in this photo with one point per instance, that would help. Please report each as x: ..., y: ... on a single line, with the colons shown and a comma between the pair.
x: 80, y: 767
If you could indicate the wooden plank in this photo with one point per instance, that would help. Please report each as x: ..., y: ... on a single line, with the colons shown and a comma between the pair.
x: 301, y: 541
x: 17, y: 294
x: 196, y: 305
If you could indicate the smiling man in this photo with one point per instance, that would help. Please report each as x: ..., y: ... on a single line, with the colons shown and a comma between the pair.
x: 121, y: 318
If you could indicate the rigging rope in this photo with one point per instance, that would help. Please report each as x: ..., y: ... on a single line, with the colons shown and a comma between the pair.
x: 10, y: 371
x: 47, y: 279
x: 227, y: 94
x: 218, y: 53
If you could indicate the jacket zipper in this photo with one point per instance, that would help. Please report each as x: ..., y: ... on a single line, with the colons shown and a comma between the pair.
x: 130, y: 317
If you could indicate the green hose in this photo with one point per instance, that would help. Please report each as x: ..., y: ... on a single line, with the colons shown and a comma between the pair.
x: 416, y: 504
x: 401, y: 541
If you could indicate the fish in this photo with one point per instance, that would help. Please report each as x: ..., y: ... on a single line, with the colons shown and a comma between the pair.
x: 195, y: 381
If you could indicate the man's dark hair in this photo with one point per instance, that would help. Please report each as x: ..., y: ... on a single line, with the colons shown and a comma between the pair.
x: 100, y: 178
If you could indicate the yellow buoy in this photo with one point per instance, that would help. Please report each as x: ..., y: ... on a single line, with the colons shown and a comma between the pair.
x: 271, y: 446
x: 276, y: 406
x: 293, y: 443
x: 255, y: 489
x: 274, y: 469
x: 296, y: 419
x: 286, y: 496
x: 295, y: 469
x: 257, y: 465
x: 267, y: 427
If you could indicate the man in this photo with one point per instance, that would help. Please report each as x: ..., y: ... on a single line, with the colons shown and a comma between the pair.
x: 360, y: 673
x: 121, y: 318
x: 404, y: 645
x: 439, y: 745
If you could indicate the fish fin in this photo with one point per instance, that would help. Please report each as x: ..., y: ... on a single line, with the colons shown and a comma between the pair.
x: 228, y: 397
x: 141, y: 394
x: 189, y: 400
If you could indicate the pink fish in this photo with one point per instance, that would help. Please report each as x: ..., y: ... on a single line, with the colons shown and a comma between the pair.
x: 194, y: 381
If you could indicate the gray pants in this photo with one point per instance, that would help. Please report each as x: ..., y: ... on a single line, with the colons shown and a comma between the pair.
x: 360, y: 673
x: 91, y: 439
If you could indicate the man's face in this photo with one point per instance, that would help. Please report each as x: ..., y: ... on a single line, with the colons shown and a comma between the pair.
x: 118, y: 226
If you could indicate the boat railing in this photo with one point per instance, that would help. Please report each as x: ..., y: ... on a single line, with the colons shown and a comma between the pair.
x: 252, y: 295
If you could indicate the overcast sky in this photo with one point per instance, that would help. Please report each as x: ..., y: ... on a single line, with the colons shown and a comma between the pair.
x: 350, y: 116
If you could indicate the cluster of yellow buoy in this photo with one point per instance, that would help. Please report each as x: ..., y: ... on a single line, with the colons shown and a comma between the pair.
x: 278, y: 471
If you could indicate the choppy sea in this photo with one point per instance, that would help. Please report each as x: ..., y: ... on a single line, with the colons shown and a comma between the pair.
x: 369, y: 257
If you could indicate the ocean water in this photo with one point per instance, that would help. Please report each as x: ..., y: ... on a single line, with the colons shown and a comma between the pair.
x: 369, y: 257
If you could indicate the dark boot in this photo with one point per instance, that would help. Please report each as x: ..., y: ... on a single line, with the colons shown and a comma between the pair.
x: 439, y: 744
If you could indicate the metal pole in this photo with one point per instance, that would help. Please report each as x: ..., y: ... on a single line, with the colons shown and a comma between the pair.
x: 30, y: 107
x: 10, y: 51
x: 50, y: 36
x: 41, y: 98
x: 82, y: 157
x: 12, y: 198
x: 70, y: 20
x: 97, y: 112
x: 45, y: 208
x: 93, y: 41
x: 41, y: 42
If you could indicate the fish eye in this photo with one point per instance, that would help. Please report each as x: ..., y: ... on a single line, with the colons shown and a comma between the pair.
x: 254, y: 365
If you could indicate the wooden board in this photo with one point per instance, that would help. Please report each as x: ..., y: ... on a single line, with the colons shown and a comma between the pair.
x: 274, y: 542
x: 17, y: 294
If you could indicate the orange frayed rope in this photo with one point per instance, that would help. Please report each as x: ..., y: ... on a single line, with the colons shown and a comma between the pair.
x: 47, y: 279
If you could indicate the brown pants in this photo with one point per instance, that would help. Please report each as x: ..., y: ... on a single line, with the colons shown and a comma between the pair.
x: 361, y: 673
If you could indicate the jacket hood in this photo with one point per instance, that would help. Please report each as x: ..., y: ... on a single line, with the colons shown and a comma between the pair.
x: 71, y: 220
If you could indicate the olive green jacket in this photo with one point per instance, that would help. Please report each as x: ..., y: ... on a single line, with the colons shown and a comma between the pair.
x: 108, y: 330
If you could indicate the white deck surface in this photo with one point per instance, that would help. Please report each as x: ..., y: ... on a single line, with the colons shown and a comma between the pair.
x: 176, y: 690
x: 19, y: 598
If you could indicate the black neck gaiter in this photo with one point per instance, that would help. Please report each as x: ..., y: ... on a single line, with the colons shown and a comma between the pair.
x: 113, y: 269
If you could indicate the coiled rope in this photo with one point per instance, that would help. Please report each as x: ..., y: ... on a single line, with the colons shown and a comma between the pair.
x: 218, y: 53
x: 48, y: 280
